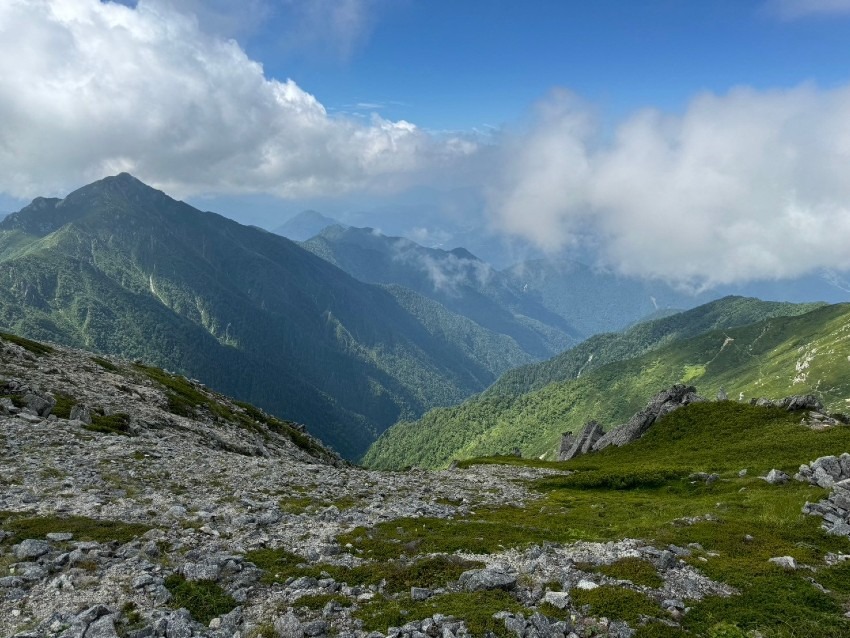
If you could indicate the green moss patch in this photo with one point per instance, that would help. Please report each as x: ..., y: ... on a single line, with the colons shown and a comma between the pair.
x: 635, y: 570
x: 106, y: 364
x: 28, y: 344
x: 64, y: 403
x: 617, y: 603
x: 476, y: 609
x: 118, y: 423
x: 83, y: 528
x: 204, y: 599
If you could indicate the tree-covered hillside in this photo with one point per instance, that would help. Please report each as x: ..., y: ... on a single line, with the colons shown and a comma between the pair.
x: 772, y: 358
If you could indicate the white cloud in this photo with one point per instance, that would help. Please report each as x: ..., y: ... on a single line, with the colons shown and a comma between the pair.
x: 742, y: 186
x: 794, y: 9
x: 90, y: 88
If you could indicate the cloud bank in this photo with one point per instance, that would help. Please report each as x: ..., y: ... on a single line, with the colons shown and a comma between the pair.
x: 743, y: 186
x: 740, y: 186
x: 90, y: 88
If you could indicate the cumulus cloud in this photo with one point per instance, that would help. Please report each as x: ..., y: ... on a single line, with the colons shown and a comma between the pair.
x: 747, y: 185
x: 794, y: 9
x: 90, y: 88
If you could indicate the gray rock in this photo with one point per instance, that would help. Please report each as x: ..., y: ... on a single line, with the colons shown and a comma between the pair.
x: 559, y: 599
x: 801, y: 402
x: 486, y: 579
x: 179, y: 625
x: 31, y: 548
x: 288, y: 626
x: 420, y: 593
x: 304, y: 582
x: 315, y: 628
x: 661, y: 404
x: 102, y: 628
x: 830, y: 465
x: 776, y: 477
x: 201, y: 571
x: 40, y: 405
x: 81, y: 413
x: 785, y: 562
x: 59, y: 536
x: 584, y: 442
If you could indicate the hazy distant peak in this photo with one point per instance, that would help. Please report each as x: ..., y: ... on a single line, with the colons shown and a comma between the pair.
x: 305, y: 225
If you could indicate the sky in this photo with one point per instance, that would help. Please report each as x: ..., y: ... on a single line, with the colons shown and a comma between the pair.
x: 702, y: 143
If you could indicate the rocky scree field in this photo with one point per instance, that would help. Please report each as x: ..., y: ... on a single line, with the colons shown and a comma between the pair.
x: 136, y: 503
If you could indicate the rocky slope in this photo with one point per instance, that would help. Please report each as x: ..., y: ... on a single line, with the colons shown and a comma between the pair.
x: 160, y: 496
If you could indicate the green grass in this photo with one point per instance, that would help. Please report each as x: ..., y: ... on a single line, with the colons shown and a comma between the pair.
x: 636, y: 570
x: 83, y: 528
x: 118, y: 423
x: 106, y: 364
x: 476, y: 609
x: 204, y: 599
x: 395, y: 575
x: 643, y: 491
x: 64, y: 403
x: 617, y: 603
x: 35, y: 347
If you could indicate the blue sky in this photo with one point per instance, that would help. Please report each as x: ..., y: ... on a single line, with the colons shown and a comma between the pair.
x: 464, y: 65
x: 570, y: 125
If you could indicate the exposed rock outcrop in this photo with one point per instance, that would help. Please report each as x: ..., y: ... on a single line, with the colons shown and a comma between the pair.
x: 830, y: 472
x: 661, y: 404
x: 581, y: 444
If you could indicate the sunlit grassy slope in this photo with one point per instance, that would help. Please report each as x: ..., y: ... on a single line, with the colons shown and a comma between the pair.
x: 771, y: 358
x: 646, y: 490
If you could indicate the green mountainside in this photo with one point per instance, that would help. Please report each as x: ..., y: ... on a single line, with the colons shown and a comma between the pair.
x: 600, y: 349
x: 118, y: 267
x: 772, y: 358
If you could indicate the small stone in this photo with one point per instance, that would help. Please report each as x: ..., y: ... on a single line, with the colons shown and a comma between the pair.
x: 785, y: 562
x: 776, y: 477
x: 420, y: 593
x: 586, y: 584
x: 59, y: 536
x: 559, y: 599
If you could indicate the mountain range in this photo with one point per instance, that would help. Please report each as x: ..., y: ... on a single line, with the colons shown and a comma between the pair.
x: 119, y: 267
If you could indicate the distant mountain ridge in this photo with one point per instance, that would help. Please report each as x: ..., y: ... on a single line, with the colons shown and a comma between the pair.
x: 122, y: 268
x: 711, y: 347
x: 305, y: 225
x: 456, y: 279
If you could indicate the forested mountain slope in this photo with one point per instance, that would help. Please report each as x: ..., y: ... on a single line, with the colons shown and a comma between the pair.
x: 774, y: 357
